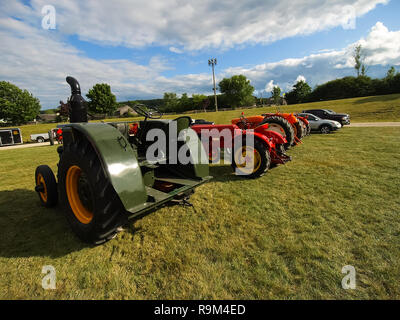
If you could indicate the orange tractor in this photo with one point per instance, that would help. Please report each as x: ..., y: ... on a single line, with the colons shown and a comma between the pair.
x: 287, y: 124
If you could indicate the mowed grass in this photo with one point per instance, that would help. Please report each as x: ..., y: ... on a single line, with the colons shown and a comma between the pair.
x: 286, y: 235
x: 366, y: 109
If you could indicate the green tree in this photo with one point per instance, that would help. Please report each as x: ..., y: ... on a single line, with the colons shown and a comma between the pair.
x: 238, y: 91
x: 185, y: 103
x: 101, y: 99
x: 359, y: 58
x: 17, y: 106
x: 300, y: 93
x: 171, y: 102
x: 391, y: 73
x: 276, y: 94
x: 198, y: 100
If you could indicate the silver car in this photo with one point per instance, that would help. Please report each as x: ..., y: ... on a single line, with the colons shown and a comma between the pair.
x: 321, y: 125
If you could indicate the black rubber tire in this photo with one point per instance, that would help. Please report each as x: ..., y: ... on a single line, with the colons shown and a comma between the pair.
x: 280, y: 148
x: 287, y: 127
x: 40, y: 140
x: 265, y: 159
x: 299, y: 129
x: 51, y: 186
x: 308, y: 129
x: 325, y: 129
x: 108, y: 211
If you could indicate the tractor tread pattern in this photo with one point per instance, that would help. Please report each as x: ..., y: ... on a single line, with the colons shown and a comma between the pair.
x: 285, y: 125
x: 108, y: 213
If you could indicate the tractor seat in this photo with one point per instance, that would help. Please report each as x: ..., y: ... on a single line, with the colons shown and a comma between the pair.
x: 182, y: 123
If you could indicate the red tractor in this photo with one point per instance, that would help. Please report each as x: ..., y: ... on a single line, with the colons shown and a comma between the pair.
x: 287, y: 124
x: 305, y: 124
x: 251, y: 160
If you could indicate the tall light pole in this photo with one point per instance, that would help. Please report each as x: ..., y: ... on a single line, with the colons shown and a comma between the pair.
x: 212, y: 62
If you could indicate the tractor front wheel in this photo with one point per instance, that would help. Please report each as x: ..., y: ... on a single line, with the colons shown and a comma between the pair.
x: 46, y: 186
x: 92, y: 207
x: 251, y: 161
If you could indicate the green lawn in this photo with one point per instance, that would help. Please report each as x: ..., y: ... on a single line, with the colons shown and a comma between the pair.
x: 366, y: 109
x: 286, y: 235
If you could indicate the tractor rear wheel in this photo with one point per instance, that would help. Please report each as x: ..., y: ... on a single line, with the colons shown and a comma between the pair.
x: 308, y: 129
x: 304, y: 126
x: 282, y: 126
x: 298, y: 130
x: 92, y: 207
x: 251, y: 161
x: 46, y: 186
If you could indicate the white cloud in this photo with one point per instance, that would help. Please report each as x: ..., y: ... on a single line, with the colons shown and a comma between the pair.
x: 196, y: 24
x: 39, y: 60
x: 270, y: 86
x: 381, y: 46
x: 300, y: 78
x: 175, y: 50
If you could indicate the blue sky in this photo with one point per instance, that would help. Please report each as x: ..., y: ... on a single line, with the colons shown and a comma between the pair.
x: 146, y: 48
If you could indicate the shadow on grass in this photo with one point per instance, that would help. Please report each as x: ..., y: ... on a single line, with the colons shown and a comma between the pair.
x: 28, y: 229
x: 225, y: 173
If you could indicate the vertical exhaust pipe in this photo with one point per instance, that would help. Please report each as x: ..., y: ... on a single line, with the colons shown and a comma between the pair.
x: 78, y: 110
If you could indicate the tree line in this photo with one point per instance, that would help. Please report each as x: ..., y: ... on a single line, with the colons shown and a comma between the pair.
x: 344, y: 88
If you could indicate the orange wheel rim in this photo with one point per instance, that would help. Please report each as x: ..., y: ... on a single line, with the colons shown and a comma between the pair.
x: 83, y: 215
x: 40, y: 181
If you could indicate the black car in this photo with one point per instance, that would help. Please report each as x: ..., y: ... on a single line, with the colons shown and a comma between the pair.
x: 342, y: 118
x: 200, y: 122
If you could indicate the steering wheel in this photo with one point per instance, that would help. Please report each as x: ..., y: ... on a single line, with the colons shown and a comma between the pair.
x: 243, y: 122
x: 147, y: 112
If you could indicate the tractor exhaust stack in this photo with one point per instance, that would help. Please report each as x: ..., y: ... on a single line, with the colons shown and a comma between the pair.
x: 78, y: 108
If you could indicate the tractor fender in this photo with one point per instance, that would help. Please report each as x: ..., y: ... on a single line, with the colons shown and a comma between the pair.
x: 117, y: 157
x: 276, y: 137
x: 260, y: 137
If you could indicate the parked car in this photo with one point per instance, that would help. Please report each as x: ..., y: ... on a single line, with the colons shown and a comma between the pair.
x: 343, y: 118
x: 10, y: 136
x: 321, y: 125
x: 200, y: 121
x: 40, y: 137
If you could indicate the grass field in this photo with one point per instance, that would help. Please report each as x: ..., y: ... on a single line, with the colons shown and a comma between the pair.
x: 366, y: 109
x: 286, y: 235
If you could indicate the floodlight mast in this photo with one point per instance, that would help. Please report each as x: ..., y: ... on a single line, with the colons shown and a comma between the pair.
x: 212, y: 62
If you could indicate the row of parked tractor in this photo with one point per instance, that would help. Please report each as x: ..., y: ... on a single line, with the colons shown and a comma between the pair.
x: 104, y: 175
x: 273, y: 134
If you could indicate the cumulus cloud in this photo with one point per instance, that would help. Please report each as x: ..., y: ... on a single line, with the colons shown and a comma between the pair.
x: 196, y: 25
x: 381, y: 47
x: 175, y: 50
x: 39, y: 60
x: 300, y: 78
x: 270, y: 86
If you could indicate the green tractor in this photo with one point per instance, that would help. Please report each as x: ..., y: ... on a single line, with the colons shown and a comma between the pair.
x: 105, y: 177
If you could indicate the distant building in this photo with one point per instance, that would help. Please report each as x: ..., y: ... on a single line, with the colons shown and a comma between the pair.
x: 124, y: 111
x: 47, y: 117
x: 281, y: 102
